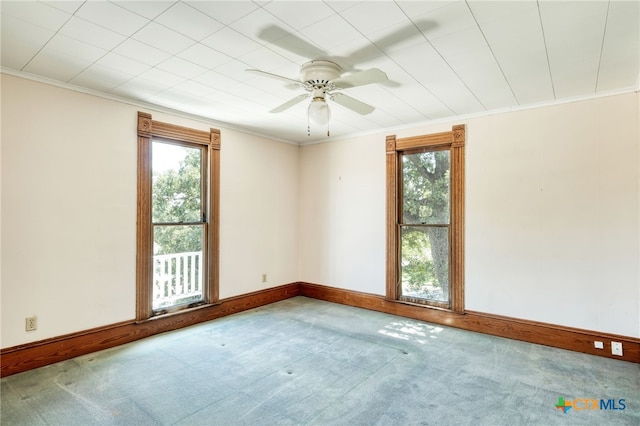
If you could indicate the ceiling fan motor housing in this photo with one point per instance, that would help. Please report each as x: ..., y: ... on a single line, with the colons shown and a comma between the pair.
x: 319, y: 73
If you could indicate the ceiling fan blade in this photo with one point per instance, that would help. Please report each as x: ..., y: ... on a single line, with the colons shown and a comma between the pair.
x: 290, y: 103
x: 290, y: 42
x: 352, y: 103
x: 276, y: 76
x: 373, y: 75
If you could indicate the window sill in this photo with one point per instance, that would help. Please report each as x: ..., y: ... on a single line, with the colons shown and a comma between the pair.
x: 427, y: 306
x: 177, y: 312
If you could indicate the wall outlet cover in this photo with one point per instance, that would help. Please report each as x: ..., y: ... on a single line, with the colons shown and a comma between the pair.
x: 616, y: 348
x: 31, y: 323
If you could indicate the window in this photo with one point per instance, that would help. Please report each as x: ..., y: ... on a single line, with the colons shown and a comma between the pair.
x: 177, y: 228
x: 425, y: 219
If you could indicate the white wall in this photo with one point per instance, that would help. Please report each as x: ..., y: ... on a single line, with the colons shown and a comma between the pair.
x: 552, y: 214
x: 258, y: 213
x: 561, y: 211
x: 69, y: 210
x: 342, y: 214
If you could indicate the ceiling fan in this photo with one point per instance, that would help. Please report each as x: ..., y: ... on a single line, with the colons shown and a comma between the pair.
x: 323, y: 77
x: 322, y: 80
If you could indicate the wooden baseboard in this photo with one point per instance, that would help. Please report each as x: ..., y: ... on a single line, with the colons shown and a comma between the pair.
x: 573, y: 339
x: 25, y: 357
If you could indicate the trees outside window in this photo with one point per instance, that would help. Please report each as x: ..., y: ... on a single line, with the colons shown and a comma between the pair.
x: 178, y: 216
x: 425, y: 201
x: 424, y: 225
x: 177, y: 225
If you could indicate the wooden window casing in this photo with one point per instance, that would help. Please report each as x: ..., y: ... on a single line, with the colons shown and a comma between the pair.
x: 147, y: 130
x: 454, y: 141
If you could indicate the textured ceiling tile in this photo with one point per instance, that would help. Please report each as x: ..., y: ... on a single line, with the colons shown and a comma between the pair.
x: 416, y: 9
x: 368, y: 17
x: 299, y: 14
x: 449, y: 19
x: 215, y: 80
x: 69, y: 6
x: 150, y: 9
x: 620, y: 63
x: 188, y: 21
x: 573, y: 45
x: 36, y: 13
x: 111, y: 16
x: 72, y: 47
x: 226, y: 12
x: 194, y: 88
x: 118, y: 62
x: 163, y: 38
x: 531, y: 85
x: 56, y: 65
x: 341, y: 33
x: 442, y: 58
x: 204, y: 56
x: 20, y: 41
x: 181, y: 67
x: 260, y: 58
x: 230, y: 42
x: 91, y: 33
x: 138, y: 88
x: 161, y: 77
x: 141, y: 52
x: 101, y: 78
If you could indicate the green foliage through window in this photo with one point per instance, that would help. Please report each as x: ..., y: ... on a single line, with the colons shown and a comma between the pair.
x: 177, y: 198
x: 178, y: 228
x: 425, y: 225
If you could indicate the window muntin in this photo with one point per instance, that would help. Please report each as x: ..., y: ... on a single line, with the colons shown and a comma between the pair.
x: 178, y: 213
x: 424, y: 226
x: 178, y: 217
x: 425, y: 219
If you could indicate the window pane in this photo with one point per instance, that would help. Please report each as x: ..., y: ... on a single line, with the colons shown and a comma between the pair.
x: 177, y: 183
x: 424, y: 262
x: 425, y: 188
x: 177, y: 265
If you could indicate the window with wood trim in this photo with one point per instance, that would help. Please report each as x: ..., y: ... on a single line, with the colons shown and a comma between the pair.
x: 425, y: 219
x: 177, y: 219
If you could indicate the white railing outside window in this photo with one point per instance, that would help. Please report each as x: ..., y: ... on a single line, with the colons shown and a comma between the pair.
x: 177, y: 279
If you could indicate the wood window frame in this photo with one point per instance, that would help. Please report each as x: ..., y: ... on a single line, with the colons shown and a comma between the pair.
x: 454, y: 141
x: 147, y: 130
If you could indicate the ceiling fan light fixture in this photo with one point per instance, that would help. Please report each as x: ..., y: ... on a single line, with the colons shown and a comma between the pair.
x: 324, y: 78
x: 319, y: 113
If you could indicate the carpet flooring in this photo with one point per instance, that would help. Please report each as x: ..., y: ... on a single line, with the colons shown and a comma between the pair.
x: 308, y: 362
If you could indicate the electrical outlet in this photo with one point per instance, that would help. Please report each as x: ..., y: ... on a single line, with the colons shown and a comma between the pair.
x: 264, y: 278
x: 31, y: 323
x: 598, y: 345
x: 616, y: 348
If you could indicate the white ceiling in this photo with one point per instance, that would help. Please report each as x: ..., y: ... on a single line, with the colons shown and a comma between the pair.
x: 443, y: 58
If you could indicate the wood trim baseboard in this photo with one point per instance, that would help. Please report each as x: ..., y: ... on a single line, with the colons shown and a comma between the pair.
x: 569, y: 338
x: 32, y: 355
x: 17, y: 359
